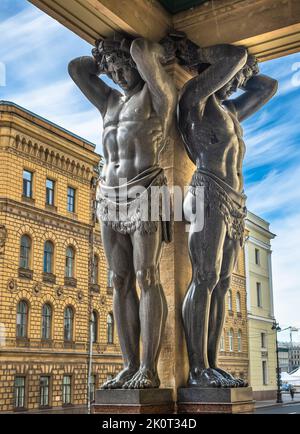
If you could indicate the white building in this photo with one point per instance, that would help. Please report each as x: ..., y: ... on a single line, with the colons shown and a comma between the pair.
x: 262, y: 339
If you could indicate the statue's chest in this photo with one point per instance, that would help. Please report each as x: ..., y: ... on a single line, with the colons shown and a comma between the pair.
x: 220, y: 120
x: 136, y: 108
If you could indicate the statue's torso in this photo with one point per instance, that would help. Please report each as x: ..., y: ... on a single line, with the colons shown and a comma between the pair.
x: 214, y: 138
x: 132, y: 136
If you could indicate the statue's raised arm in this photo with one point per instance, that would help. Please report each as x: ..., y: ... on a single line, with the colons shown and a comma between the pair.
x: 224, y: 61
x: 85, y: 73
x: 149, y: 58
x: 257, y: 91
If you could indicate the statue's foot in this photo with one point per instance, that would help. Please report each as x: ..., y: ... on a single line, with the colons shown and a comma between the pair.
x: 143, y: 379
x: 234, y: 382
x: 206, y: 378
x: 119, y: 380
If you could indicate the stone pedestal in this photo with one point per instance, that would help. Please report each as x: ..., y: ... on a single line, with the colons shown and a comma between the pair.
x: 215, y: 400
x: 131, y: 401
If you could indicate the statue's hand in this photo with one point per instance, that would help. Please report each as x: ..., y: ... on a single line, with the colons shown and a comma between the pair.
x: 188, y: 53
x: 170, y: 48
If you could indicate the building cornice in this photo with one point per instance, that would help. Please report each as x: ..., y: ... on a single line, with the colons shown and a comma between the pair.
x: 32, y: 128
x: 58, y: 353
x: 44, y: 157
x: 44, y: 217
x: 254, y: 226
x: 237, y: 278
x: 11, y: 107
x: 260, y: 318
x: 259, y: 243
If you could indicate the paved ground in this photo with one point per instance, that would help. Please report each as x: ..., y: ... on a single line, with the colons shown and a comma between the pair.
x: 292, y: 408
x: 288, y: 406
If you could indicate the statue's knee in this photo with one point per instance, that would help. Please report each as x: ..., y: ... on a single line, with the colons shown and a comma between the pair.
x: 147, y: 278
x: 118, y: 282
x: 207, y: 279
x: 123, y: 283
x: 224, y: 284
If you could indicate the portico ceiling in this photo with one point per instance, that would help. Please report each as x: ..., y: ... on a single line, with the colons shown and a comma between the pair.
x: 174, y: 6
x: 269, y: 28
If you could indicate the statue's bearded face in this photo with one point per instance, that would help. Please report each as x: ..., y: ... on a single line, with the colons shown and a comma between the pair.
x: 239, y: 80
x: 232, y: 86
x: 124, y: 75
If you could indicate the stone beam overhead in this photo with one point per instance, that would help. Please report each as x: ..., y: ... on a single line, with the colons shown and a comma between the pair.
x: 92, y: 19
x: 270, y: 28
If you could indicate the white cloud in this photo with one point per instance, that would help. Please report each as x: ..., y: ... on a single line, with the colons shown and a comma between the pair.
x: 36, y: 50
x: 286, y: 276
x: 275, y: 144
x: 278, y: 195
x: 25, y: 32
x: 275, y: 192
x: 59, y: 102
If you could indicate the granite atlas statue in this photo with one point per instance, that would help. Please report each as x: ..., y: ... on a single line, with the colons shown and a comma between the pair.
x: 209, y: 123
x: 136, y: 122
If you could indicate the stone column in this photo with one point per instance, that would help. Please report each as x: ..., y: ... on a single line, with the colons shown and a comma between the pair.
x: 175, y: 266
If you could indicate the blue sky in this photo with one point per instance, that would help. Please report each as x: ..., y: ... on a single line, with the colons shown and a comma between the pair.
x: 35, y: 51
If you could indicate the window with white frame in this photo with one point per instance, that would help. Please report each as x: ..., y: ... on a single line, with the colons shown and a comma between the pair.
x: 259, y: 294
x: 230, y: 339
x: 229, y: 299
x: 44, y: 391
x: 265, y: 372
x: 238, y: 302
x: 239, y: 341
x: 67, y: 389
x: 19, y: 392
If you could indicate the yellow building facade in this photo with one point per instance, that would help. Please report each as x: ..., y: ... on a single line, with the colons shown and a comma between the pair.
x: 262, y: 339
x: 53, y: 274
x: 47, y: 296
x: 233, y: 355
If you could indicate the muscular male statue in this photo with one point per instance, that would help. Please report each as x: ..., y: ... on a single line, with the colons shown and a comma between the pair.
x: 211, y: 130
x: 135, y: 127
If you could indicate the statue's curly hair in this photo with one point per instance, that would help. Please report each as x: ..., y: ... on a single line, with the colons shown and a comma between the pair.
x: 120, y: 54
x: 251, y: 67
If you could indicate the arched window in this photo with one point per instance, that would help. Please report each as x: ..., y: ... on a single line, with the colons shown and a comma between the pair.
x: 110, y: 328
x: 230, y: 339
x: 222, y: 343
x: 229, y: 299
x: 68, y: 323
x: 48, y: 257
x: 25, y: 252
x: 95, y: 274
x: 110, y: 278
x: 94, y: 326
x: 22, y: 319
x: 239, y: 337
x: 70, y: 262
x: 238, y: 302
x: 46, y: 321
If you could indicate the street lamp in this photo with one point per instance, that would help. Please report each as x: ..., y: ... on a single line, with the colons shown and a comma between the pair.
x: 276, y: 327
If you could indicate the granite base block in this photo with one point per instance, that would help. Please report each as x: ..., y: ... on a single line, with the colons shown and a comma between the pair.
x: 126, y: 401
x: 215, y: 400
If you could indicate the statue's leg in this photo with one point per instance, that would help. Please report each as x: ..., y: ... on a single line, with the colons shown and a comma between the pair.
x: 153, y: 306
x: 217, y: 309
x: 119, y: 254
x: 206, y: 252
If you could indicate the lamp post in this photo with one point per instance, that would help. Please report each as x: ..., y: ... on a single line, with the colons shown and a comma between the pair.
x: 276, y: 327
